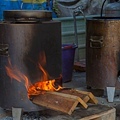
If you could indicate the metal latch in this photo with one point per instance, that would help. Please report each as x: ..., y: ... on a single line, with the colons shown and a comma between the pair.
x: 96, y: 41
x: 4, y: 49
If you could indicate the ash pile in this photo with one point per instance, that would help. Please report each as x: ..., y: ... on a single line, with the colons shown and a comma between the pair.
x: 36, y: 115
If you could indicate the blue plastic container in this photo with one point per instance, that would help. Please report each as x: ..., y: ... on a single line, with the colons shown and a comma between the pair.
x: 68, y: 53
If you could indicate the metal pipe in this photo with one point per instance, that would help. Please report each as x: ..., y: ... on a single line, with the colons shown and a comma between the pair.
x: 102, y: 8
x: 76, y: 13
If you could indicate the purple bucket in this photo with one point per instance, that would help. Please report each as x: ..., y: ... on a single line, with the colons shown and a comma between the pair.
x: 68, y: 53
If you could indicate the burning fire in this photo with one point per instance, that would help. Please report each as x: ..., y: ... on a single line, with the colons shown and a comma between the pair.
x: 37, y: 88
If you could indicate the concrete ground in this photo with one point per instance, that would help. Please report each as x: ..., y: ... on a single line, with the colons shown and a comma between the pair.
x: 79, y: 82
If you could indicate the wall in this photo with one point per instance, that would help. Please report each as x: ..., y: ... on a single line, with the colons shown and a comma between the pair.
x: 68, y: 34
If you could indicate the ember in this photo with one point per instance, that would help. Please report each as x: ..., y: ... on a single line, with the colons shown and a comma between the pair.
x: 44, y: 84
x: 41, y: 87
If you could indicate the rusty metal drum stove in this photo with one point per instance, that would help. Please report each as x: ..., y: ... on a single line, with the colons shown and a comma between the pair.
x: 103, y: 52
x: 23, y: 35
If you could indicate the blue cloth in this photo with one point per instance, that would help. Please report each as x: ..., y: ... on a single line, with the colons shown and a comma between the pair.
x: 16, y: 5
x: 30, y: 6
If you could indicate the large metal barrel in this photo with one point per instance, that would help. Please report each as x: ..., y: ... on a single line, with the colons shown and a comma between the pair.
x: 23, y: 36
x: 103, y: 52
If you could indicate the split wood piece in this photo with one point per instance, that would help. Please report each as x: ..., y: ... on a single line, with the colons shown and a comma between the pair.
x: 91, y: 96
x: 74, y: 92
x: 106, y: 115
x: 59, y: 101
x: 85, y: 96
x: 17, y: 113
x: 94, y: 112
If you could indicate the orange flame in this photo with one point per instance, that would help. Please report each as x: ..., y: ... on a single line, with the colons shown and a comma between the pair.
x: 14, y: 73
x: 41, y: 87
x: 37, y: 88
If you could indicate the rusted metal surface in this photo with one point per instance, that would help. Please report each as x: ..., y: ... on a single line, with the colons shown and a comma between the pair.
x: 29, y: 15
x: 103, y: 52
x: 24, y: 42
